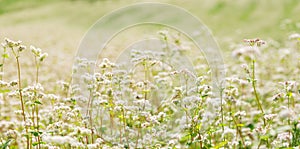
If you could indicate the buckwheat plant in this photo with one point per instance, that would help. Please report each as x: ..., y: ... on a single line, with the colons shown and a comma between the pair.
x: 16, y: 48
x: 152, y: 102
x: 37, y: 93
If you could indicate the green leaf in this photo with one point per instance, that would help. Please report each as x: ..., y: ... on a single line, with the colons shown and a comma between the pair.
x: 185, y: 138
x: 204, y: 95
x: 35, y: 133
x: 1, y: 65
x: 251, y: 126
x: 289, y: 94
x: 264, y: 137
x: 37, y: 102
x: 36, y: 143
x: 4, y: 90
x: 5, y: 145
x: 222, y: 124
x: 221, y: 144
x: 240, y: 125
x: 5, y: 55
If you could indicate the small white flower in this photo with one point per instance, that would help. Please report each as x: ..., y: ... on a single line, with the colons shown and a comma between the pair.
x: 269, y: 116
x: 285, y: 136
x: 240, y: 114
x: 294, y: 36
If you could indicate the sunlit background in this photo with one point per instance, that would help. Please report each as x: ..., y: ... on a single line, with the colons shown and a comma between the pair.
x: 57, y: 26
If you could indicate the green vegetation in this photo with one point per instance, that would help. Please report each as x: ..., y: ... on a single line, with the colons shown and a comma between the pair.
x: 148, y: 103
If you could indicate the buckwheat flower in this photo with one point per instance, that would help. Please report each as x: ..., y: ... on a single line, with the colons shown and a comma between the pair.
x: 62, y: 140
x: 52, y: 97
x: 140, y: 84
x: 1, y: 100
x: 172, y: 142
x: 19, y: 112
x: 3, y: 84
x: 138, y: 96
x: 285, y: 113
x: 38, y: 87
x: 154, y: 119
x: 285, y: 144
x: 92, y: 146
x: 77, y: 145
x: 260, y: 130
x: 248, y: 143
x: 88, y: 78
x: 145, y: 125
x: 214, y: 102
x: 70, y: 115
x: 13, y: 94
x: 289, y: 85
x: 13, y: 83
x: 246, y: 68
x: 256, y: 41
x: 204, y: 89
x: 118, y: 108
x: 240, y: 114
x: 28, y: 123
x: 11, y: 43
x: 233, y: 143
x: 11, y: 134
x: 106, y: 64
x: 185, y: 46
x: 63, y: 84
x: 284, y: 52
x: 101, y: 102
x: 269, y: 116
x: 246, y: 51
x: 285, y: 136
x: 275, y: 143
x: 294, y: 36
x: 228, y: 131
x: 162, y: 114
x: 277, y: 97
x: 158, y: 146
x: 43, y: 56
x: 21, y: 48
x: 207, y: 116
x: 90, y: 86
x: 35, y: 51
x: 4, y: 45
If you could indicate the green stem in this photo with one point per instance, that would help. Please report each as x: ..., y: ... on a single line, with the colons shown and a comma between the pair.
x: 255, y: 91
x: 37, y: 70
x: 20, y: 94
x: 222, y: 113
x: 238, y: 130
x: 2, y: 67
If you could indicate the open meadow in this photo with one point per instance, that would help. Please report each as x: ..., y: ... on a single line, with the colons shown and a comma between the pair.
x: 85, y: 74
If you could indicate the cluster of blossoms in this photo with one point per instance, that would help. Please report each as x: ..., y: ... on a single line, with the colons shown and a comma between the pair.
x: 154, y: 103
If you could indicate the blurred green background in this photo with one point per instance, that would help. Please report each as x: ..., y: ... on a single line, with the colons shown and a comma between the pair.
x: 58, y: 25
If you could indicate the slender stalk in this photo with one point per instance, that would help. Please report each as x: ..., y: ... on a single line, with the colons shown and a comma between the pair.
x: 89, y: 114
x: 37, y: 70
x: 37, y: 126
x: 222, y: 112
x: 138, y: 136
x: 21, y: 96
x: 145, y: 82
x: 36, y: 108
x: 124, y: 127
x: 2, y: 67
x: 255, y: 91
x: 238, y: 130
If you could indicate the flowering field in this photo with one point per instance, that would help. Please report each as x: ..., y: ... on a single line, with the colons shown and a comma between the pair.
x: 155, y: 100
